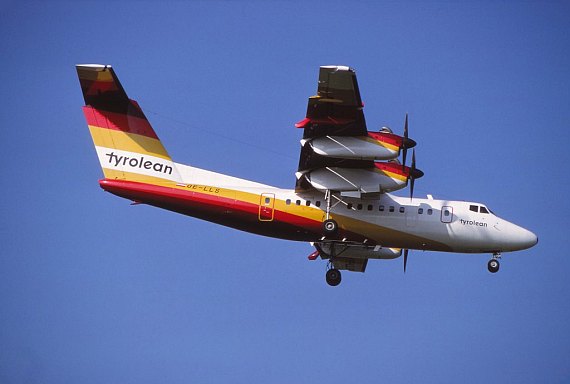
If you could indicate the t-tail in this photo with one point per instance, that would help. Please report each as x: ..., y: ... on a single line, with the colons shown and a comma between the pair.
x: 127, y: 146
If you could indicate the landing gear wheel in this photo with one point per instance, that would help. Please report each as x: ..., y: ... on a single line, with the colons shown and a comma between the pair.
x: 330, y: 227
x: 333, y: 277
x: 493, y: 265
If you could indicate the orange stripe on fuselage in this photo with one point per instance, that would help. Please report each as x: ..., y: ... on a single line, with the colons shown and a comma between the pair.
x: 114, y: 174
x: 240, y: 210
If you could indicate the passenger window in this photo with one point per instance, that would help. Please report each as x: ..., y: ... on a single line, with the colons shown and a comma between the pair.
x: 349, y: 206
x: 298, y: 202
x: 445, y: 212
x: 483, y: 209
x: 359, y: 207
x: 267, y: 200
x: 288, y: 201
x: 430, y: 211
x: 420, y: 210
x: 370, y: 207
x: 402, y: 209
x: 381, y: 208
x: 318, y: 203
x: 473, y: 208
x: 308, y: 203
x: 391, y: 208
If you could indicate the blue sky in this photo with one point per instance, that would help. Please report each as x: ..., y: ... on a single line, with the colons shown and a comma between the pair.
x: 94, y: 290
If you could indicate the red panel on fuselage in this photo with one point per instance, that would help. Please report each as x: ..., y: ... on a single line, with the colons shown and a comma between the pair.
x: 228, y: 212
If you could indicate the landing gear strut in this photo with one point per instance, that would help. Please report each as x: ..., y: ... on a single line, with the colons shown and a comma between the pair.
x: 330, y: 226
x: 493, y: 264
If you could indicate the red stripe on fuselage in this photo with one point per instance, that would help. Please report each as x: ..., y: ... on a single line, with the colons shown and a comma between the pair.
x: 118, y: 122
x: 224, y: 211
x: 228, y: 212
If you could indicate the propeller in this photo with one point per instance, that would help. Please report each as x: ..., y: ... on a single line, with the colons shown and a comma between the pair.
x: 405, y: 258
x: 414, y: 174
x: 406, y: 143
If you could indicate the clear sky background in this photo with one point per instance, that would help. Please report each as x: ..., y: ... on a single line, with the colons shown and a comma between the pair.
x: 93, y: 290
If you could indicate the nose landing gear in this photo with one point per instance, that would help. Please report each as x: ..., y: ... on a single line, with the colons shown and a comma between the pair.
x: 493, y: 264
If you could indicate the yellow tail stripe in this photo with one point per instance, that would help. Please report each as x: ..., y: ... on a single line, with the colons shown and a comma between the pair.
x: 131, y: 142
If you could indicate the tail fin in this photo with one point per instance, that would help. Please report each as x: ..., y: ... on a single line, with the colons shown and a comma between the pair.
x: 127, y: 146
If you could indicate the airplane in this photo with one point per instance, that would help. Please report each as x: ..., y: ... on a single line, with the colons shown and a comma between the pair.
x: 341, y: 204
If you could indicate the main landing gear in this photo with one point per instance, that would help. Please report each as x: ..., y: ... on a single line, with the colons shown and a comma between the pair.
x: 493, y: 264
x: 330, y: 226
x: 333, y: 277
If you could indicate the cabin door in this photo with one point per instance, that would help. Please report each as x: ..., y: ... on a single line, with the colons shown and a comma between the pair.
x: 266, y: 202
x: 446, y: 214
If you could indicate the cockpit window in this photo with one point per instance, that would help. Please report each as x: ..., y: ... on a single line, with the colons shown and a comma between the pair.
x: 484, y: 210
x: 474, y: 208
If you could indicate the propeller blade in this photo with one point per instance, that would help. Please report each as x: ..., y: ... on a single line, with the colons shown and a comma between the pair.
x: 406, y: 127
x: 405, y: 143
x: 405, y: 258
x: 412, y: 174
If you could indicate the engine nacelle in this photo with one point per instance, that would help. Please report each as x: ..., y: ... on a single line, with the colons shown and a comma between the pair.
x: 383, y: 177
x: 359, y: 251
x: 374, y: 146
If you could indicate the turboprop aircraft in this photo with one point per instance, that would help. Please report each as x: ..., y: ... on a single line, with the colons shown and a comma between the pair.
x: 341, y: 202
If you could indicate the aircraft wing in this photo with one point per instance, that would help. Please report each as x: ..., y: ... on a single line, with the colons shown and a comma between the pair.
x: 338, y: 153
x: 336, y: 109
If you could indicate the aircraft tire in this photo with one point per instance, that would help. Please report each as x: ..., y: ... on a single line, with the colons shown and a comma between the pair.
x: 493, y: 266
x: 333, y: 277
x: 330, y: 227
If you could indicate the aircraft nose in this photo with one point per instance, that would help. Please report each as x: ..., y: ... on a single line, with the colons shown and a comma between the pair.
x: 526, y: 238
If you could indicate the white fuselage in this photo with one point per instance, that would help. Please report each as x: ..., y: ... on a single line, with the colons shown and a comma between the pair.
x: 393, y: 221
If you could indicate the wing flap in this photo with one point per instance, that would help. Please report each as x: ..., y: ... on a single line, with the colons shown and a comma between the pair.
x: 337, y: 107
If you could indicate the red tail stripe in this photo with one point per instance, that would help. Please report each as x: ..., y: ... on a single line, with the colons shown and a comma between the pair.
x: 118, y: 122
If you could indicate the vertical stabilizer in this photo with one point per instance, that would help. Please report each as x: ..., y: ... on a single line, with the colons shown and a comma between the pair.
x: 127, y: 146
